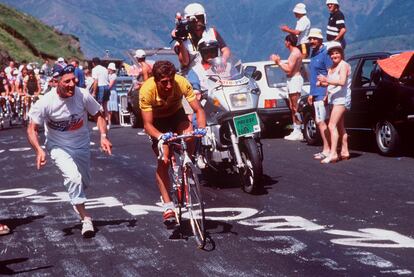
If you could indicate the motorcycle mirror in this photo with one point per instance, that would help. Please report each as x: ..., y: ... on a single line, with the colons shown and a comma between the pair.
x: 257, y: 75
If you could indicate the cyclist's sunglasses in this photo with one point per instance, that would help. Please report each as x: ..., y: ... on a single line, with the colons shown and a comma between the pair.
x: 166, y: 81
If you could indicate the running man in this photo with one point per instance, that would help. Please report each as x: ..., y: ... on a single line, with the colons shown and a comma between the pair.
x: 163, y: 115
x: 64, y: 114
x: 294, y: 82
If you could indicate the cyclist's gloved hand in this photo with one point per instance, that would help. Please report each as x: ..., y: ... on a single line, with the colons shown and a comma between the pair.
x: 161, y: 140
x: 166, y: 136
x: 200, y: 132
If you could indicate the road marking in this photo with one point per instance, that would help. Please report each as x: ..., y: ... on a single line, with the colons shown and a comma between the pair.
x: 21, y: 149
x: 372, y: 237
x: 16, y: 193
x: 282, y: 223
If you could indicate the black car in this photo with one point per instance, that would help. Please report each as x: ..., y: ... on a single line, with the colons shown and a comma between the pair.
x: 380, y: 104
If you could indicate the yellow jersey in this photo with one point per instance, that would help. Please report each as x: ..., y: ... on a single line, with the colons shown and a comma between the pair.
x: 149, y: 99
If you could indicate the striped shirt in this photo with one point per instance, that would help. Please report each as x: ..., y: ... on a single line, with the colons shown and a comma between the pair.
x: 335, y: 24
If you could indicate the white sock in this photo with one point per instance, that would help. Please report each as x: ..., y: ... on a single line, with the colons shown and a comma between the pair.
x: 168, y: 206
x: 296, y: 127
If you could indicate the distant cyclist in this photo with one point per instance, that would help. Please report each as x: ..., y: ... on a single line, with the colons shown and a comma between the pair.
x: 187, y: 43
x: 163, y: 115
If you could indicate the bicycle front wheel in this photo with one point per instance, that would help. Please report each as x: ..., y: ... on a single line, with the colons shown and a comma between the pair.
x: 195, y: 205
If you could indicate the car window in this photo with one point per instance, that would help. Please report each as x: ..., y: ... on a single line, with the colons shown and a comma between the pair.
x: 364, y: 77
x: 248, y: 71
x: 275, y: 76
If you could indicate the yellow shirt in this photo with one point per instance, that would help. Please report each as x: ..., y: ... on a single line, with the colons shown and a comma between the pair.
x: 149, y: 99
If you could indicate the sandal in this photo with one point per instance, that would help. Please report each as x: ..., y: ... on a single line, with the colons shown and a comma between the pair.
x: 329, y: 160
x: 4, y: 230
x: 320, y: 156
x: 345, y: 157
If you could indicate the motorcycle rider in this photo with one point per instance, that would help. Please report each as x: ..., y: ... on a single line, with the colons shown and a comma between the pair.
x: 187, y: 45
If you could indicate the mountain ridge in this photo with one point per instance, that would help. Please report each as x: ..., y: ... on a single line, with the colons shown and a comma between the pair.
x: 250, y: 28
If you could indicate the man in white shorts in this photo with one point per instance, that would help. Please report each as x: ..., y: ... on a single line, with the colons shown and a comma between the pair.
x: 64, y: 113
x: 294, y: 82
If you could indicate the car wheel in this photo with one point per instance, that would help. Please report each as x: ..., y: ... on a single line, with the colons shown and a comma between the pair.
x: 310, y: 131
x: 387, y: 137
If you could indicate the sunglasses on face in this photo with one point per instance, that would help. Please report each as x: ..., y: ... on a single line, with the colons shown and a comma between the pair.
x: 166, y: 81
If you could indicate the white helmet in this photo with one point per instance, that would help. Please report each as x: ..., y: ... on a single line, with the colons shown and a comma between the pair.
x: 332, y: 2
x: 194, y: 9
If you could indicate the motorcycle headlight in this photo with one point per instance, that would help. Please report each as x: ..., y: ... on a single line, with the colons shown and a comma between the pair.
x: 238, y: 99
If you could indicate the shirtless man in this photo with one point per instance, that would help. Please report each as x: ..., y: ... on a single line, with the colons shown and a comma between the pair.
x: 294, y: 82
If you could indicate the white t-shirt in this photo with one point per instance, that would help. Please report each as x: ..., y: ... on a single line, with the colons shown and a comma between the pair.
x: 112, y: 77
x: 303, y: 25
x: 65, y: 119
x: 100, y: 73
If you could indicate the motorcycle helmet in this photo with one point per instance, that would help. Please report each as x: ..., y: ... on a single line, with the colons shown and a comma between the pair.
x: 208, y: 49
x: 193, y: 10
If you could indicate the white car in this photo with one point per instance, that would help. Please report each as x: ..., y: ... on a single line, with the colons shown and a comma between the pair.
x: 273, y: 105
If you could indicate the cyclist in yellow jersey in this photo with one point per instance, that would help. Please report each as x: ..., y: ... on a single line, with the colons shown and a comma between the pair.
x: 163, y: 116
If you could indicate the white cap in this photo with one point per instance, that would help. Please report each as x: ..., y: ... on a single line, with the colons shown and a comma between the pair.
x: 29, y: 67
x: 112, y: 66
x: 315, y: 33
x: 332, y: 2
x: 139, y: 54
x: 333, y: 44
x: 60, y: 60
x: 15, y: 71
x: 300, y: 8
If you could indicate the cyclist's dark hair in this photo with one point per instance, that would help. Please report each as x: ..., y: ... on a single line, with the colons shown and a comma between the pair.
x: 293, y: 39
x: 163, y: 69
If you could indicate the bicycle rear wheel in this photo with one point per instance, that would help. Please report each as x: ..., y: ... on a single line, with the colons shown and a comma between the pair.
x: 195, y: 205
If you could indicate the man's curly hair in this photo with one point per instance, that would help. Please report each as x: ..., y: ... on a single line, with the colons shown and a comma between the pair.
x: 162, y: 69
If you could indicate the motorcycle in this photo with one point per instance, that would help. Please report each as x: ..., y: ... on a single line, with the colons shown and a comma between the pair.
x: 232, y: 143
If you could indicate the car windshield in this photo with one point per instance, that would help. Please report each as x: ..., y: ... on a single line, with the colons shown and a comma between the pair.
x: 277, y: 77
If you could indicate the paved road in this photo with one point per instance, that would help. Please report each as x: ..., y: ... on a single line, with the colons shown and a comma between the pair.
x: 352, y: 218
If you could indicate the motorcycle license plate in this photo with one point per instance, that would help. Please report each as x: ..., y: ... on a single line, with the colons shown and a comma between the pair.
x: 246, y: 124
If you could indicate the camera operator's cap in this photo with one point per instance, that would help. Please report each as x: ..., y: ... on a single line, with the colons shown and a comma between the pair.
x: 335, y: 2
x: 139, y: 54
x: 315, y: 33
x: 60, y: 60
x: 112, y: 66
x: 300, y: 8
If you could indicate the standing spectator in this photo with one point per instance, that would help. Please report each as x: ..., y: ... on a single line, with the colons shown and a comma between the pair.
x: 100, y: 85
x: 144, y: 69
x: 294, y: 82
x: 336, y: 25
x: 88, y: 79
x: 47, y: 69
x: 301, y: 30
x: 113, y: 98
x: 64, y: 114
x: 319, y: 65
x: 80, y: 76
x: 338, y: 82
x: 9, y: 70
x: 61, y: 61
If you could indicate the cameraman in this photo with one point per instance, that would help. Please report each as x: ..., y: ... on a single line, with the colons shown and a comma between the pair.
x: 188, y: 33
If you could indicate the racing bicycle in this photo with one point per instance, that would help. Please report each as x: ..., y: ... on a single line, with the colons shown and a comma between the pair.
x: 185, y: 187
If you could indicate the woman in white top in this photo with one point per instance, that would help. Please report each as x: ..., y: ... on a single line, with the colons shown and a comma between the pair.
x: 113, y: 98
x: 338, y: 82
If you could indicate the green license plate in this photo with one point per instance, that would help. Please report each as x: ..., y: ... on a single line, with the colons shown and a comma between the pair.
x: 246, y: 124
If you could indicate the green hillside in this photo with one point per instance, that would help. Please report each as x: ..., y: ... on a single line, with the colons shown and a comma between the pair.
x: 22, y: 37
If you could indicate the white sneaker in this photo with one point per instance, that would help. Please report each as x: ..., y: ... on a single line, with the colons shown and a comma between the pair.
x: 295, y: 135
x: 87, y: 228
